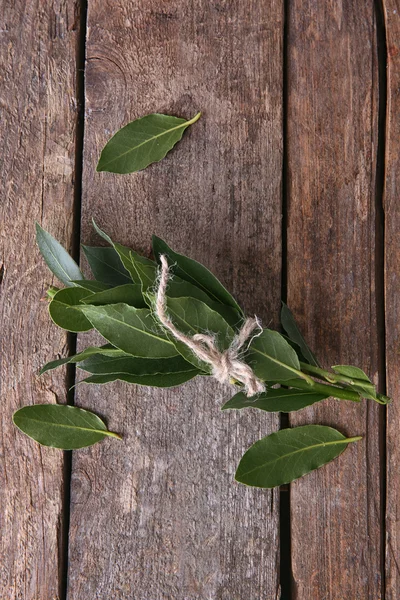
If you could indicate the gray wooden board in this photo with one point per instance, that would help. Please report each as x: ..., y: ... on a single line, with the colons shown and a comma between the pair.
x: 392, y: 292
x: 37, y: 131
x: 158, y: 515
x: 332, y: 143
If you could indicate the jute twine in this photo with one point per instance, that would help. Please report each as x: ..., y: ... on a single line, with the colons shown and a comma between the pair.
x: 226, y: 365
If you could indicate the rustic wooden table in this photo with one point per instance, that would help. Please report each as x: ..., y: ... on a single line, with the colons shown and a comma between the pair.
x: 287, y: 187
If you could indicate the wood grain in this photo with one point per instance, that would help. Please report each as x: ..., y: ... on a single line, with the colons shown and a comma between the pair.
x: 332, y: 144
x: 37, y: 129
x: 159, y: 516
x: 392, y: 292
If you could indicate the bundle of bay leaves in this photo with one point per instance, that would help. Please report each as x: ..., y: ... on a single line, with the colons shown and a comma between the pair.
x: 119, y: 303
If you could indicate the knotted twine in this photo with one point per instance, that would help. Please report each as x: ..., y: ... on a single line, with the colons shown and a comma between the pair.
x: 225, y: 365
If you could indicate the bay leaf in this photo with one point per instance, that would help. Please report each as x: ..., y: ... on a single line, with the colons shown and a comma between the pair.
x: 194, y: 272
x: 125, y: 254
x: 101, y: 364
x: 289, y: 324
x: 142, y: 142
x: 179, y: 288
x: 91, y: 285
x: 107, y: 350
x: 60, y: 263
x: 159, y: 380
x: 64, y: 310
x: 353, y: 372
x: 275, y: 400
x: 191, y: 316
x: 61, y: 426
x: 106, y: 265
x: 272, y: 358
x: 296, y: 348
x: 289, y: 454
x: 147, y: 274
x: 52, y: 291
x: 129, y: 293
x: 130, y: 329
x: 361, y: 383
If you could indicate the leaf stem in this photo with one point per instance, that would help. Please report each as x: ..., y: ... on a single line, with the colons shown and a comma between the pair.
x: 52, y: 291
x: 307, y: 379
x: 112, y: 434
x: 323, y: 388
x: 326, y: 375
x: 382, y: 399
x: 337, y: 379
x: 195, y: 118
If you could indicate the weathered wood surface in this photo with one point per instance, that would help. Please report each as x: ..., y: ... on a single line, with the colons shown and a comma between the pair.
x: 392, y: 292
x: 332, y: 145
x: 37, y: 131
x: 158, y: 516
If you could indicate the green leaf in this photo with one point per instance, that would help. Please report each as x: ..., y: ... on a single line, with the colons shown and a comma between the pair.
x: 290, y: 326
x: 100, y: 364
x: 360, y: 381
x: 179, y: 288
x: 64, y: 310
x: 133, y: 330
x: 91, y: 285
x: 130, y: 293
x: 272, y: 358
x: 160, y: 380
x: 107, y: 350
x: 289, y: 454
x: 353, y: 372
x: 275, y: 400
x: 125, y: 254
x: 147, y: 273
x: 61, y: 426
x: 192, y: 271
x: 106, y: 265
x: 192, y: 316
x: 142, y: 142
x: 57, y: 258
x: 51, y: 292
x: 296, y: 348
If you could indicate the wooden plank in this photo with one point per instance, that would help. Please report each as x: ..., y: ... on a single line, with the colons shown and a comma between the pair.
x: 37, y: 129
x: 392, y: 293
x: 332, y: 143
x: 161, y: 511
